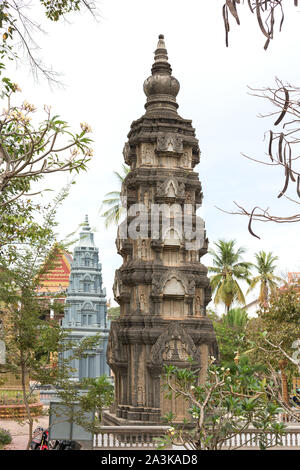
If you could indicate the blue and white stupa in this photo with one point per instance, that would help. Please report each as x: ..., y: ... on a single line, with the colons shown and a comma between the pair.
x: 86, y: 309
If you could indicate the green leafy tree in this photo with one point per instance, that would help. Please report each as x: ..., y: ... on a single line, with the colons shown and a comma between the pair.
x: 31, y: 147
x: 275, y: 336
x: 228, y: 269
x: 28, y: 152
x: 99, y: 393
x: 113, y: 313
x: 280, y: 323
x: 113, y: 202
x: 225, y: 405
x: 30, y: 339
x: 230, y: 331
x: 236, y: 317
x: 266, y: 279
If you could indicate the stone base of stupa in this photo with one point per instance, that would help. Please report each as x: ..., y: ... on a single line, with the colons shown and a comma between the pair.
x: 133, y: 416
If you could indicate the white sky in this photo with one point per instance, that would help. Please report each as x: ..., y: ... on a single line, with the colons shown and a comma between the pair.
x: 104, y: 64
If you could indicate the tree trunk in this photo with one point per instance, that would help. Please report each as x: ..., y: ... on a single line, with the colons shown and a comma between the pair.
x: 266, y: 295
x: 284, y: 383
x: 25, y: 398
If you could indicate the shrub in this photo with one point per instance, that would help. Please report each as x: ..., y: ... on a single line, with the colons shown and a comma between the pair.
x: 5, y: 437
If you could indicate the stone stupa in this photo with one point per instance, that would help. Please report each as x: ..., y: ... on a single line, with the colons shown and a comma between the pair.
x: 162, y: 287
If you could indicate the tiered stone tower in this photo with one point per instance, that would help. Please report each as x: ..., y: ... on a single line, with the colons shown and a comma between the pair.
x: 86, y: 311
x: 162, y: 287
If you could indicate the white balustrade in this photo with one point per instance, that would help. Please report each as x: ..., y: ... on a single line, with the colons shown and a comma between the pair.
x: 138, y: 437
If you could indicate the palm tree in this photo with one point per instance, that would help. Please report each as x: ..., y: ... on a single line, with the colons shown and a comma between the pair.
x: 268, y: 281
x: 113, y: 204
x: 228, y: 268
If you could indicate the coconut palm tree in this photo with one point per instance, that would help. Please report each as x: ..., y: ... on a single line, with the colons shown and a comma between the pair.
x: 266, y: 278
x: 114, y: 208
x: 228, y: 268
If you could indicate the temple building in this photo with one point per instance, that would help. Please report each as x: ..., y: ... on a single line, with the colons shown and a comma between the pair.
x: 54, y: 283
x: 86, y: 309
x: 162, y: 287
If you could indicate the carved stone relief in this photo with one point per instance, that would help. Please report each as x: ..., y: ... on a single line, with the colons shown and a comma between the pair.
x: 174, y: 340
x: 175, y: 350
x: 171, y: 283
x: 126, y: 152
x: 147, y: 154
x: 144, y: 304
x: 186, y: 159
x: 170, y: 188
x: 169, y: 143
x: 172, y: 237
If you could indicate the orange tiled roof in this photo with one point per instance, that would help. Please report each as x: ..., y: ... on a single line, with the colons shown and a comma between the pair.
x: 57, y: 279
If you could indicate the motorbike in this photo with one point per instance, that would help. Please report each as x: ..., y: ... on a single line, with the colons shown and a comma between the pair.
x: 40, y: 441
x: 65, y: 445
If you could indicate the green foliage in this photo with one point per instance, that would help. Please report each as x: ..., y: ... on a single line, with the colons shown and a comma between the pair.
x: 57, y: 8
x: 228, y: 268
x: 99, y: 393
x: 236, y: 317
x: 30, y: 339
x: 279, y: 324
x: 113, y: 201
x: 90, y: 395
x: 266, y: 278
x: 113, y: 313
x: 5, y: 437
x: 228, y: 402
x: 284, y: 307
x: 230, y: 331
x: 30, y: 149
x: 29, y: 152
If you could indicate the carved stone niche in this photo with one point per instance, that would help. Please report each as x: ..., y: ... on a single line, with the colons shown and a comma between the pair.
x: 186, y: 159
x: 169, y: 143
x: 172, y: 290
x: 146, y: 155
x: 143, y: 300
x: 199, y: 302
x: 172, y: 238
x: 170, y: 188
x: 174, y: 345
x: 146, y: 198
x: 143, y: 250
x: 169, y: 283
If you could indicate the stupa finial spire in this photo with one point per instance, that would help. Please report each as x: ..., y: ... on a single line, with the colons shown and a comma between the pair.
x: 161, y: 88
x: 161, y: 64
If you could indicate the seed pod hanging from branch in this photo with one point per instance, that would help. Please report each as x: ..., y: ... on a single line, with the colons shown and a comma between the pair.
x: 265, y: 15
x: 285, y: 107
